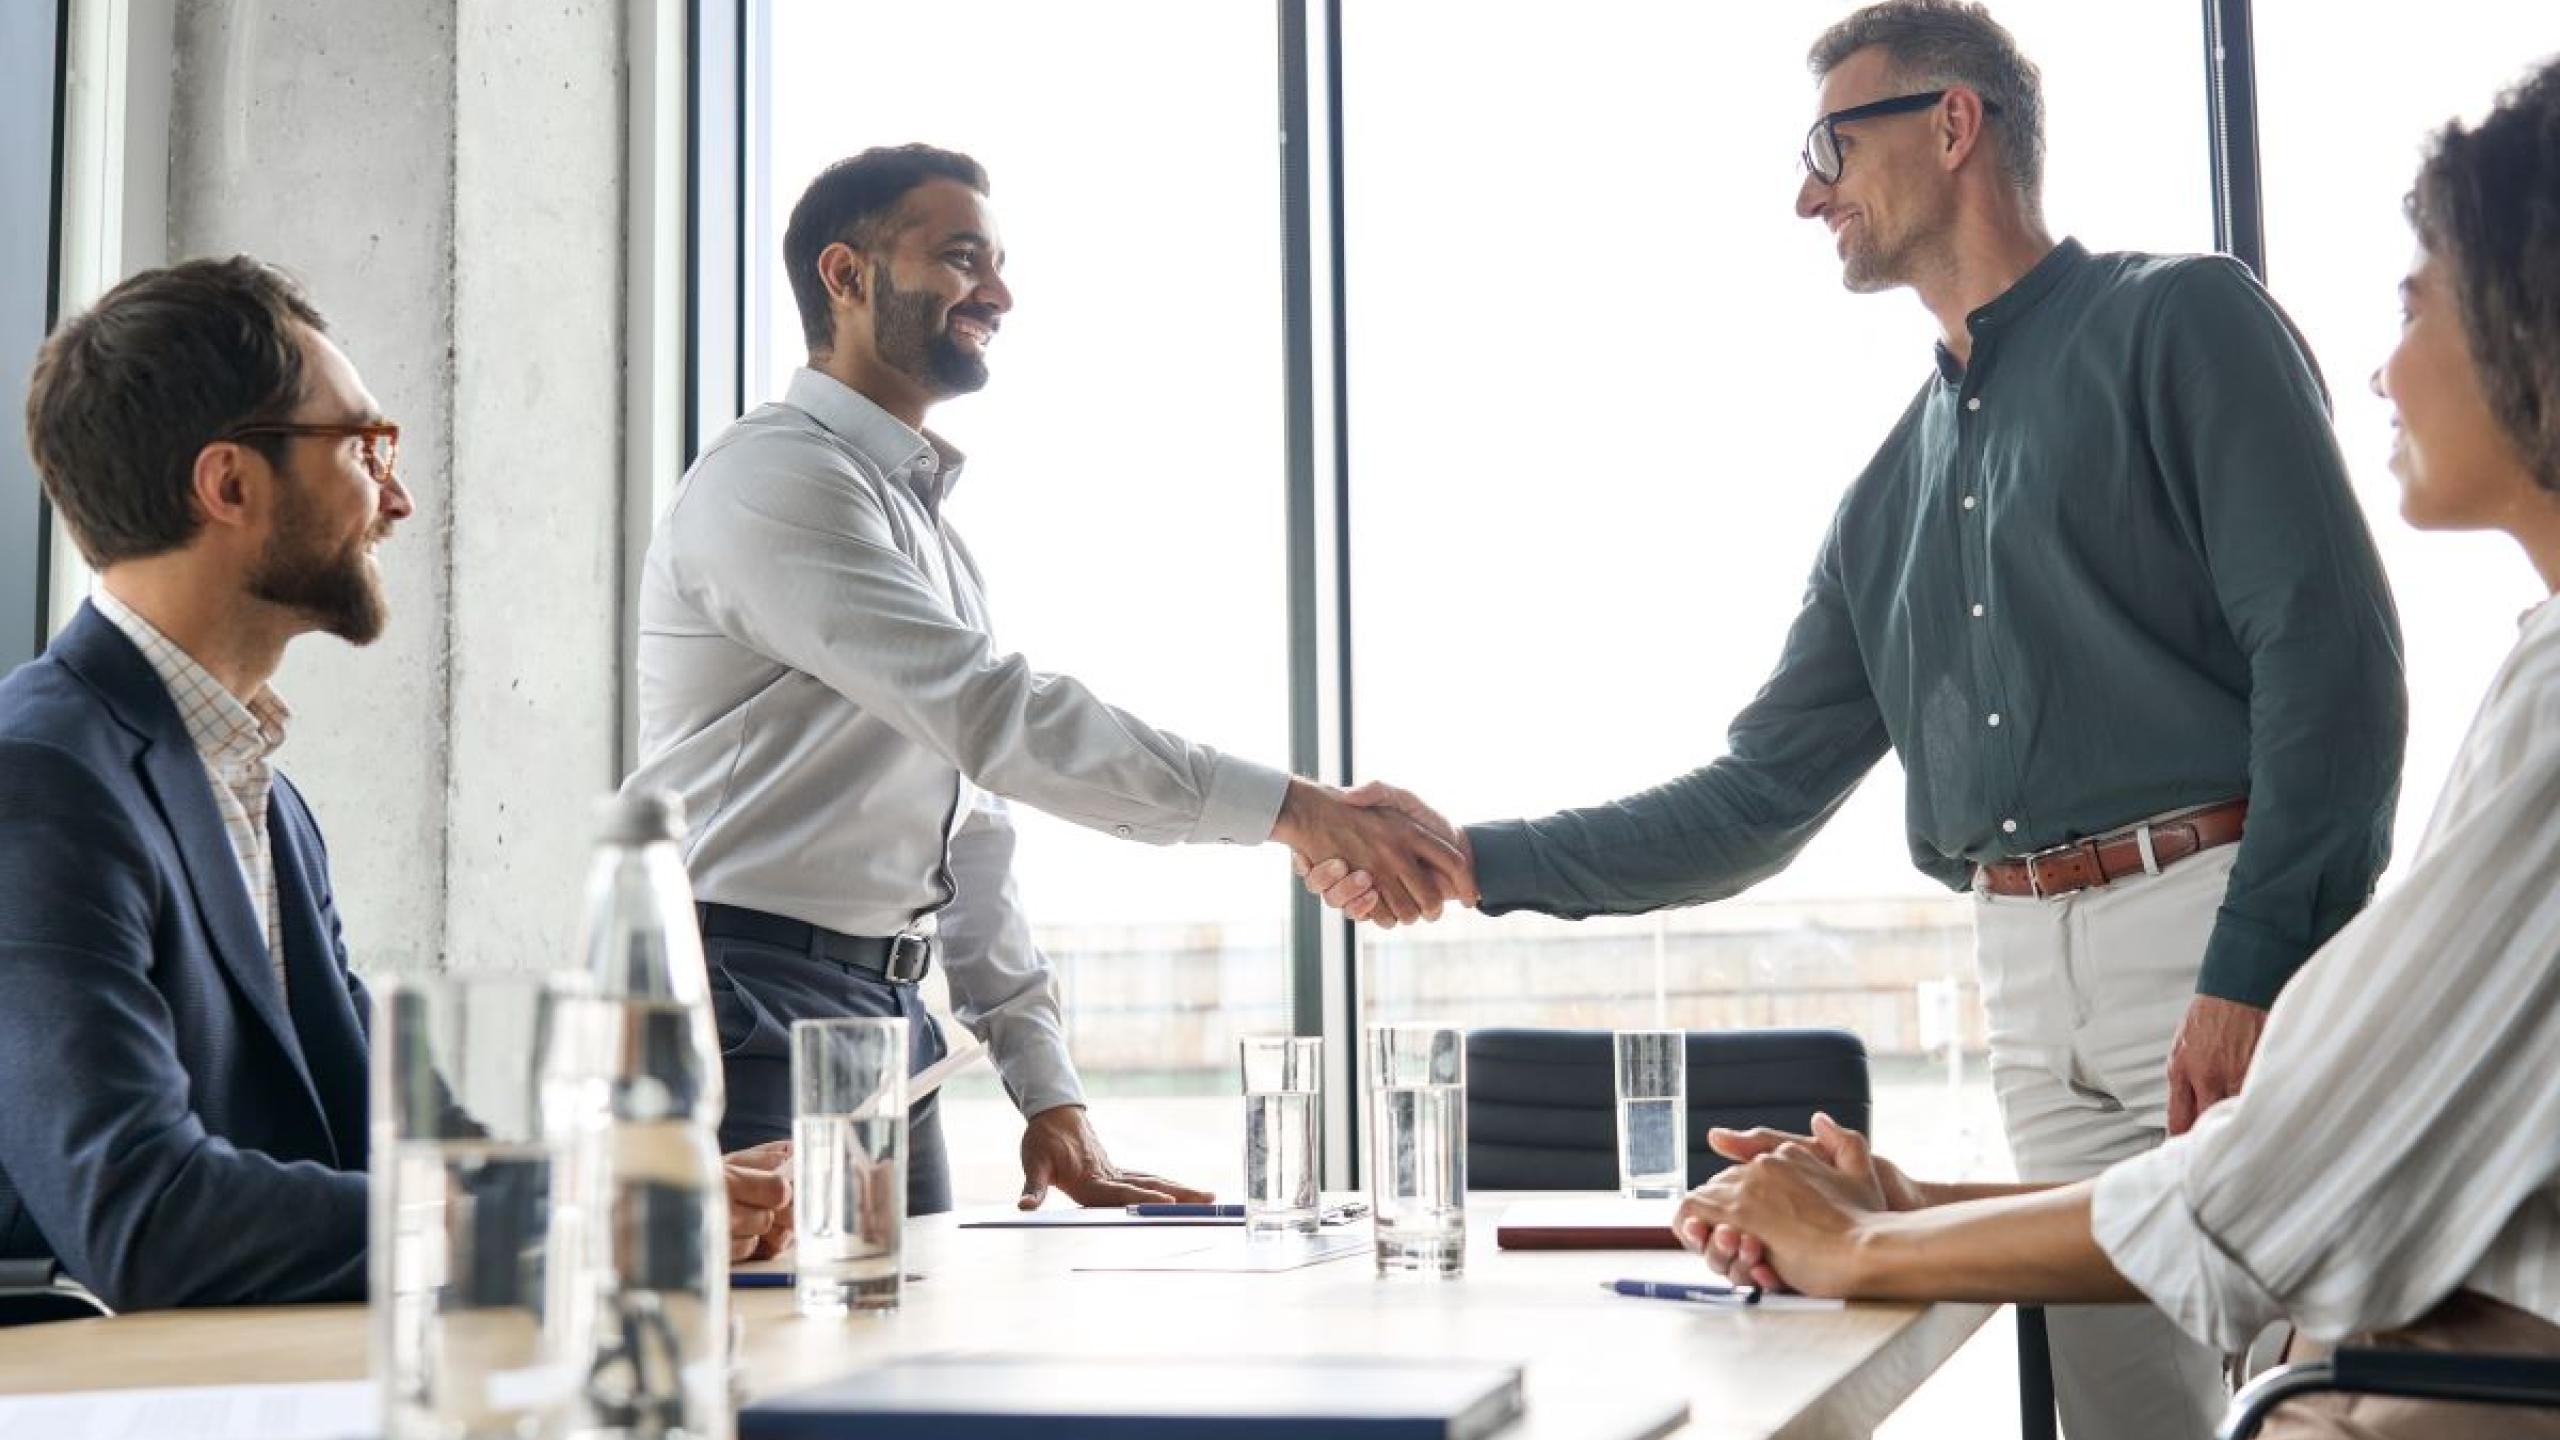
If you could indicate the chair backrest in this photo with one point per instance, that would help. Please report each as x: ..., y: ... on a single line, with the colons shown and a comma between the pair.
x: 1542, y: 1105
x: 35, y: 1292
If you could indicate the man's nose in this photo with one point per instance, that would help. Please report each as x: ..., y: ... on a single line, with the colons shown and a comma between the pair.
x: 993, y: 291
x: 1811, y: 196
x: 395, y: 503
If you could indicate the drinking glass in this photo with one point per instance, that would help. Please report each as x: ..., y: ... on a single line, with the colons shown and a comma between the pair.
x: 1653, y: 1114
x: 469, y: 1339
x: 1418, y: 1149
x: 849, y: 1162
x: 1283, y: 1095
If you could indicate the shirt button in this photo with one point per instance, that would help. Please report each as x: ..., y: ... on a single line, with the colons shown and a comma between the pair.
x: 1995, y: 719
x: 1968, y: 502
x: 1974, y: 404
x: 1977, y: 612
x: 1123, y: 831
x: 2008, y: 827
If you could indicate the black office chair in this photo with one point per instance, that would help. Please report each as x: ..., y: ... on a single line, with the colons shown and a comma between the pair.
x: 2408, y: 1374
x: 1542, y: 1105
x: 1542, y: 1115
x: 34, y: 1292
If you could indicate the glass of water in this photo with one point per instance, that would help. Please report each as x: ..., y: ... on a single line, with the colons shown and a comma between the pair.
x: 1653, y: 1114
x: 469, y: 1339
x: 848, y: 1162
x: 1283, y: 1089
x: 1418, y: 1147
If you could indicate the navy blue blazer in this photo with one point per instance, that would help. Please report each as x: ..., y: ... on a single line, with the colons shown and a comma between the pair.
x: 172, y: 1129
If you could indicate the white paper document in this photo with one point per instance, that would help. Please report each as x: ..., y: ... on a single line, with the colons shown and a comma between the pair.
x: 324, y: 1410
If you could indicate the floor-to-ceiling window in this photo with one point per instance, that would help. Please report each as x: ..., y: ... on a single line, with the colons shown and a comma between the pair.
x: 2347, y: 111
x: 1123, y: 493
x: 1606, y: 391
x: 30, y: 47
x: 1603, y: 392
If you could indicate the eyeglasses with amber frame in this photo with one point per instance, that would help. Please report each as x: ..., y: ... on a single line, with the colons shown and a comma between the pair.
x: 379, y: 441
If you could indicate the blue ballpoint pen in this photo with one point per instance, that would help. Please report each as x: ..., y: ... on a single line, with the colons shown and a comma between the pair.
x: 1682, y: 1290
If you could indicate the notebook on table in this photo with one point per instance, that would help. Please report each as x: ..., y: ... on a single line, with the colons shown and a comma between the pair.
x: 1020, y: 1397
x: 1603, y: 1223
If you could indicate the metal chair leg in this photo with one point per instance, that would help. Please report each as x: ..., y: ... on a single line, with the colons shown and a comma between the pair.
x: 2036, y: 1418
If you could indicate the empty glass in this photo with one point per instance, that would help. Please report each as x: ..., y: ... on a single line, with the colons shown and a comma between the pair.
x: 1653, y: 1114
x: 1283, y: 1093
x: 1418, y: 1147
x: 468, y: 1332
x: 849, y: 1161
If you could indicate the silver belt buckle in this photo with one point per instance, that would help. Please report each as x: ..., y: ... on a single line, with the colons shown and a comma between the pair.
x: 2035, y: 876
x: 910, y: 958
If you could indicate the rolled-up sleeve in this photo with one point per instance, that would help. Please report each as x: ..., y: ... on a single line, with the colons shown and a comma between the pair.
x: 2400, y: 1116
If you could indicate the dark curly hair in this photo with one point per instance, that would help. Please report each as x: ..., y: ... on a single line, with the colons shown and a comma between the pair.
x: 2487, y: 202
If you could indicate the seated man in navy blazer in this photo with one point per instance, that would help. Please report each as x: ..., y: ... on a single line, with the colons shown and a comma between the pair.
x: 182, y: 1045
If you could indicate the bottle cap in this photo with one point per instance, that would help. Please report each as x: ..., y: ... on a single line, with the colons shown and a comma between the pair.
x: 640, y: 818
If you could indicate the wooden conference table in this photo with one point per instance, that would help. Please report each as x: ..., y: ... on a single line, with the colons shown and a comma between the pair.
x: 1591, y: 1357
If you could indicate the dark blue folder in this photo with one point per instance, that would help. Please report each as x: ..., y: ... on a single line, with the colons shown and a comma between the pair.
x: 1015, y: 1397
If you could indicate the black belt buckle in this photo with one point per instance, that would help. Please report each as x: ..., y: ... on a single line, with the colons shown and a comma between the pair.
x: 910, y: 958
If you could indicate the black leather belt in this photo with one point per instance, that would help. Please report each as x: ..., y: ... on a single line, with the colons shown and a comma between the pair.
x: 898, y: 959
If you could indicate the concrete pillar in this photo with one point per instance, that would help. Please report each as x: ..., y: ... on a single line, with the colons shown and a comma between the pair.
x: 447, y: 178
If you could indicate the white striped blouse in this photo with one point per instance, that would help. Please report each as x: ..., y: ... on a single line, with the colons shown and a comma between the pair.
x: 2399, y: 1135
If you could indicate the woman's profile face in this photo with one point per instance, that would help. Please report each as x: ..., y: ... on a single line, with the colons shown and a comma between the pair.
x: 2457, y: 468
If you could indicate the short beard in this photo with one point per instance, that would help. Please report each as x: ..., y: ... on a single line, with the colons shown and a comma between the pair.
x: 916, y: 341
x: 1868, y: 271
x: 1871, y: 269
x: 335, y: 588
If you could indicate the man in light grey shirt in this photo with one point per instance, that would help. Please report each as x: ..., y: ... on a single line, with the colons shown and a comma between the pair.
x: 818, y: 681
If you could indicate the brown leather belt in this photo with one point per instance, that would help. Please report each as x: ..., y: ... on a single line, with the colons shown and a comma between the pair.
x: 2087, y: 864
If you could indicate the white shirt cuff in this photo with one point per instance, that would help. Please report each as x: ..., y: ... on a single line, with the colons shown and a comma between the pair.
x: 1243, y: 804
x: 2139, y: 1215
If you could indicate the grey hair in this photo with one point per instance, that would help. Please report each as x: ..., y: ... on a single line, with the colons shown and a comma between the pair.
x: 1933, y: 44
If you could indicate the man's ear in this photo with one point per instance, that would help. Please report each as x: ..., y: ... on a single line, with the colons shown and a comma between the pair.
x: 842, y: 269
x: 1960, y: 122
x: 225, y: 483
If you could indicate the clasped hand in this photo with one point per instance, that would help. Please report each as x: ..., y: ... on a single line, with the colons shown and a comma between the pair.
x: 1376, y: 853
x: 1785, y: 1215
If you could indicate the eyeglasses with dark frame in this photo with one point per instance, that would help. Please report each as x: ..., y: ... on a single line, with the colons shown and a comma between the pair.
x: 380, y: 441
x: 1821, y: 153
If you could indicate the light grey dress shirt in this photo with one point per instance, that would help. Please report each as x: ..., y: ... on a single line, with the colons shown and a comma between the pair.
x: 2399, y: 1136
x: 818, y: 680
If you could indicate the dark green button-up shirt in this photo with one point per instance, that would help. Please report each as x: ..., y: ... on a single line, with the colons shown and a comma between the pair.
x: 2109, y: 570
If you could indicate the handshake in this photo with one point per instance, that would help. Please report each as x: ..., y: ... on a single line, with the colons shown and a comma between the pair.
x: 1375, y: 853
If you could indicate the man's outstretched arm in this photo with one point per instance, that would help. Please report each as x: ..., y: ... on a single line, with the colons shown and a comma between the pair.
x: 1794, y: 754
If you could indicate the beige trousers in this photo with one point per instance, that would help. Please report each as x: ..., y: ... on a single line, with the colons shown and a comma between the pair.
x: 2467, y: 1323
x: 2084, y: 994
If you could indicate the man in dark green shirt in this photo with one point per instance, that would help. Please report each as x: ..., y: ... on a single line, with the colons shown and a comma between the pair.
x: 2106, y: 569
